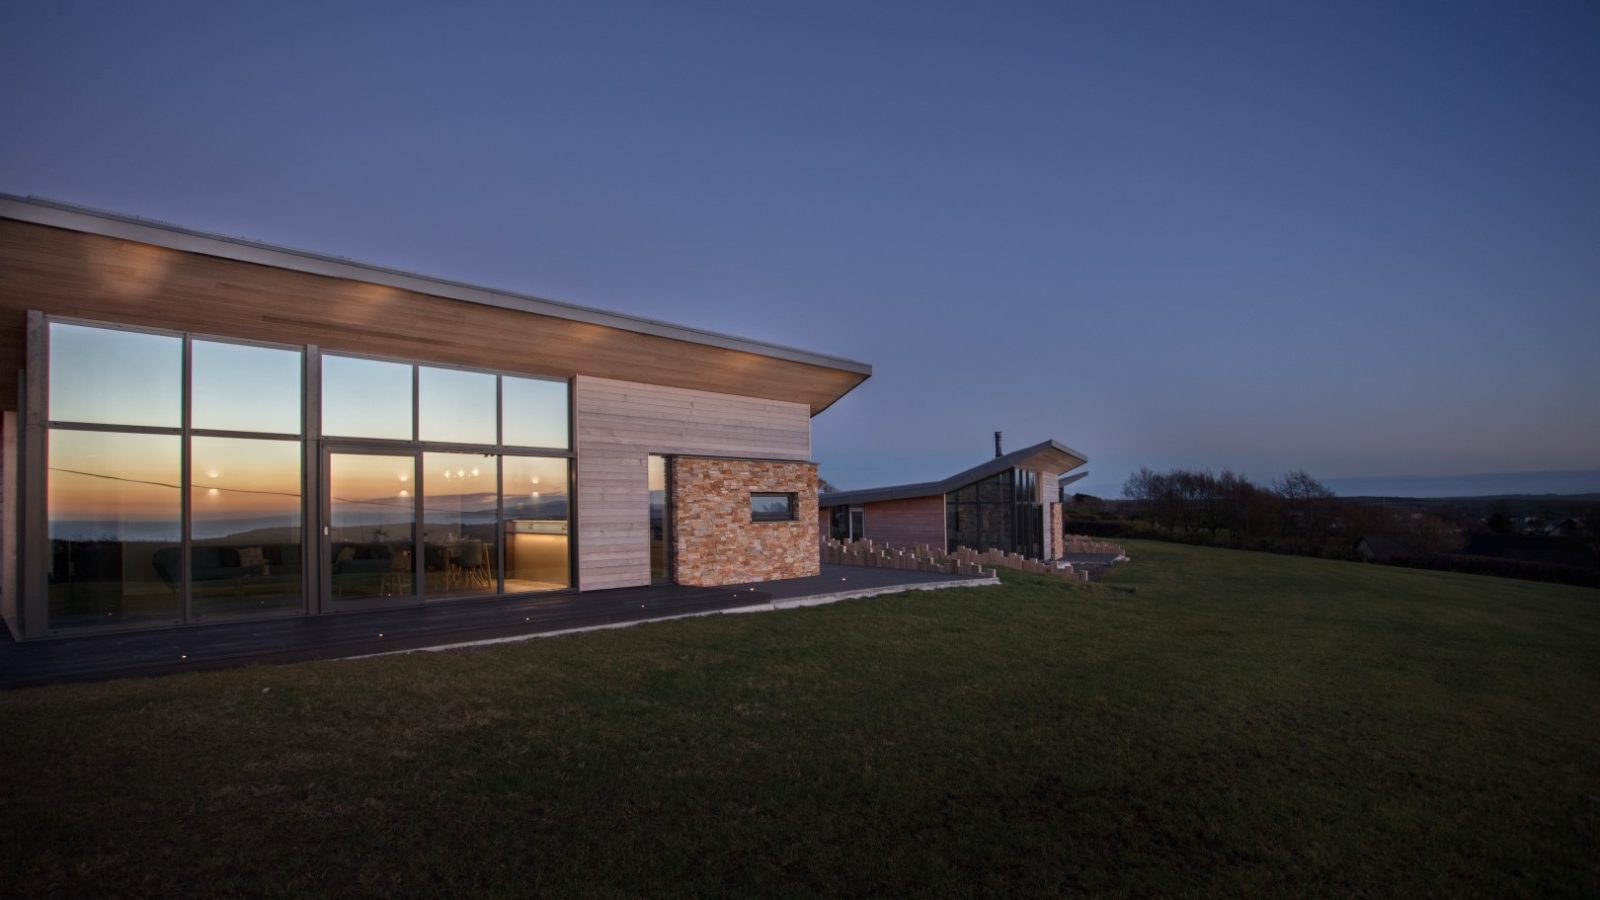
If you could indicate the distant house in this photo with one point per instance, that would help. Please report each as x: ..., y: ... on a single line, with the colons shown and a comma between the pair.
x: 1011, y: 503
x: 1067, y: 481
x: 1568, y: 527
x: 1382, y: 547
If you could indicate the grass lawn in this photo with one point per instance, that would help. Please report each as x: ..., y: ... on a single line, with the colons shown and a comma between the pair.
x: 1203, y: 722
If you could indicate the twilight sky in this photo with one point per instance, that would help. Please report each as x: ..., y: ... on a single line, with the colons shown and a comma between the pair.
x: 1360, y: 239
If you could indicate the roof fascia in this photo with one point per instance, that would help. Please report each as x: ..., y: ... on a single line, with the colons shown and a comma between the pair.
x: 67, y: 216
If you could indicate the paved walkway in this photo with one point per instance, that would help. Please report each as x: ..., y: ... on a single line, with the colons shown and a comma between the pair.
x: 462, y: 623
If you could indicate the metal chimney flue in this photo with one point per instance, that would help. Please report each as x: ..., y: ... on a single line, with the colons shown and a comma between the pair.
x: 997, y: 451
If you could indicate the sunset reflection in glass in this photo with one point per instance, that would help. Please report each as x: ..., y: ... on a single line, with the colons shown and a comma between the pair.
x: 458, y: 518
x: 245, y: 525
x: 113, y: 504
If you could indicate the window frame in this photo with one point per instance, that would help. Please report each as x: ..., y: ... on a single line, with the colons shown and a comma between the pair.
x: 791, y: 497
x: 36, y: 425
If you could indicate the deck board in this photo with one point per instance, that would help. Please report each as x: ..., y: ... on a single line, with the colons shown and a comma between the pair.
x: 277, y: 641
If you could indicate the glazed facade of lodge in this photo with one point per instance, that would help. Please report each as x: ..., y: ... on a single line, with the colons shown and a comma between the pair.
x: 206, y: 430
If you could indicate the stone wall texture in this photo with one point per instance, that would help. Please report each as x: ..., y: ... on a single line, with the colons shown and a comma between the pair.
x: 1058, y: 531
x: 714, y: 538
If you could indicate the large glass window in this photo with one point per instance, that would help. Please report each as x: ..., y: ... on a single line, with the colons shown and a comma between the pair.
x: 136, y: 540
x: 238, y: 387
x: 534, y: 412
x: 111, y: 377
x: 244, y: 526
x: 456, y: 407
x: 115, y: 498
x: 366, y: 398
x: 997, y: 512
x: 537, y: 512
x: 458, y: 523
x: 371, y: 527
x: 115, y: 526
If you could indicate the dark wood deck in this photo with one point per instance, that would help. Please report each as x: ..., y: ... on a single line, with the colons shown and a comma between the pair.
x: 276, y: 641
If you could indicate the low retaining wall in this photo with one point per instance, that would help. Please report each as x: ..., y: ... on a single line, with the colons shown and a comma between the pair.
x: 925, y: 558
x: 1072, y: 544
x: 919, y: 558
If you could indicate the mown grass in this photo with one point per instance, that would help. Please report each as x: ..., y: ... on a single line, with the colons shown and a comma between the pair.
x: 1203, y: 723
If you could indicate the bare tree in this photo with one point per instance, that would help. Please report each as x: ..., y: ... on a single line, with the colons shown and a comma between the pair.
x: 1304, y: 502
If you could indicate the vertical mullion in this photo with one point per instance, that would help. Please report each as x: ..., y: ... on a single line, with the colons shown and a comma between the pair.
x: 572, y: 485
x: 499, y: 484
x: 33, y: 607
x: 185, y: 541
x: 500, y: 522
x: 313, y: 595
x: 417, y: 475
x: 417, y: 546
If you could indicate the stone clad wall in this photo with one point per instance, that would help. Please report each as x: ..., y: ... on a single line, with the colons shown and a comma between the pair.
x: 714, y: 538
x: 1058, y: 532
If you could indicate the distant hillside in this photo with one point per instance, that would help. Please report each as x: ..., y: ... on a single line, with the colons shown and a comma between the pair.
x: 1510, y: 499
x: 1501, y: 484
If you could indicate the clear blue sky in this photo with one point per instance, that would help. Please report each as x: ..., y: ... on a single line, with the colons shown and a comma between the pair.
x: 1361, y: 239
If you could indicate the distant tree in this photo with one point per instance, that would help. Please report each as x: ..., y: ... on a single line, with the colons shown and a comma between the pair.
x: 1155, y: 495
x: 1299, y: 486
x: 1140, y: 485
x: 1246, y: 509
x: 824, y: 486
x: 1304, y: 506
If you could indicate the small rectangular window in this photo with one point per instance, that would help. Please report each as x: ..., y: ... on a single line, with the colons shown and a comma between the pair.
x: 772, y: 507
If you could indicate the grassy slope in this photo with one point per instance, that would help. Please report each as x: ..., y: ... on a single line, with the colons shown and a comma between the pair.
x: 1204, y: 723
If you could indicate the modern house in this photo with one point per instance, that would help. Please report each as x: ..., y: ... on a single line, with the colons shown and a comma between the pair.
x: 1009, y: 503
x: 200, y: 429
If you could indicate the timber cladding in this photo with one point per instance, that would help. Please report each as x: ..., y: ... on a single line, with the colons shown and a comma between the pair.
x: 918, y: 520
x: 74, y: 274
x: 619, y: 424
x: 717, y: 542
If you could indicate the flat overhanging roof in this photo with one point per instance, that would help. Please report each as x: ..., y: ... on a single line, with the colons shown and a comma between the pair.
x: 92, y: 221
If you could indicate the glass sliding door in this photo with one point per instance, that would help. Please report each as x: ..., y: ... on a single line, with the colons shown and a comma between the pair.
x: 371, y: 556
x: 459, y: 508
